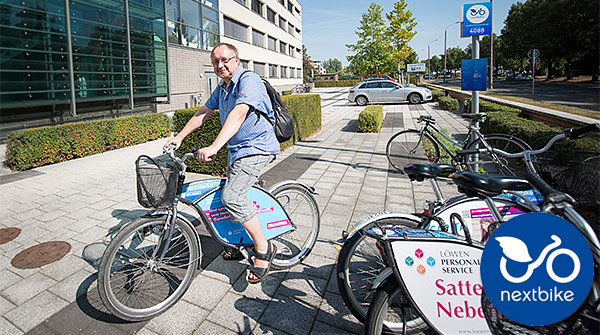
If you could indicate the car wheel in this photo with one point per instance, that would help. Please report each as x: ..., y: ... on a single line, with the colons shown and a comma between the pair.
x: 414, y: 98
x: 361, y: 100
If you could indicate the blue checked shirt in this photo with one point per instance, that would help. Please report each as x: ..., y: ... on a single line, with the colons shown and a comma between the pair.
x: 256, y: 135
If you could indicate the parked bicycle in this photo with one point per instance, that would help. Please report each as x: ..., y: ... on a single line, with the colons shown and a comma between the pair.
x: 361, y: 267
x: 150, y: 263
x: 404, y: 291
x: 423, y: 146
x: 303, y: 88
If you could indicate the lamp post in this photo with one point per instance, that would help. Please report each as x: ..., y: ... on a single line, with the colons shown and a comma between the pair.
x: 429, y: 57
x: 445, y: 34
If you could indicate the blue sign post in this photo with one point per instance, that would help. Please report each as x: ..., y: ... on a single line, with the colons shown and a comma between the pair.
x: 473, y: 74
x: 477, y: 19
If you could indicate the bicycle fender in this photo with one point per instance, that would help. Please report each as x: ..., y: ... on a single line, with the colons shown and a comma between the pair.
x: 381, y: 278
x: 310, y: 189
x: 379, y: 216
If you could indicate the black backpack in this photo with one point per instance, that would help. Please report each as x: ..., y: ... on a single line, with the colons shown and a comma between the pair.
x: 284, y: 126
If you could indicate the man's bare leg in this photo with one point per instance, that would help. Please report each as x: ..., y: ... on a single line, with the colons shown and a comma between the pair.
x: 260, y: 242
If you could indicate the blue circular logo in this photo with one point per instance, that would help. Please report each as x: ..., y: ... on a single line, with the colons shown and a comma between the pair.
x: 537, y: 269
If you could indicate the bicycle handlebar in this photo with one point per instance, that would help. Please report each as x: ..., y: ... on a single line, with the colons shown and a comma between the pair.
x: 550, y: 194
x: 572, y: 133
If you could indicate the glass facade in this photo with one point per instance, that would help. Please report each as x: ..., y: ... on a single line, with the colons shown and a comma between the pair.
x: 34, y: 51
x: 193, y: 23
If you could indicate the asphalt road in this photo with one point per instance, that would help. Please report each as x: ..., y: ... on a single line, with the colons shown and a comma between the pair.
x: 584, y: 95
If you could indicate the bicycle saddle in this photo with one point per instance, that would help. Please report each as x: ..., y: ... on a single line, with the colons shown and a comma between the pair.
x: 419, y: 172
x: 426, y: 118
x: 482, y: 186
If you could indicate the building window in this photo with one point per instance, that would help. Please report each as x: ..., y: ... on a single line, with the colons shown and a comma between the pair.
x: 259, y: 68
x: 292, y: 72
x: 282, y: 23
x: 284, y: 71
x: 258, y: 38
x: 291, y: 51
x: 272, y: 71
x: 272, y: 43
x: 173, y: 10
x: 234, y: 29
x: 299, y: 73
x: 290, y: 7
x: 257, y: 7
x: 245, y: 64
x: 190, y: 13
x: 282, y: 47
x: 291, y: 29
x: 243, y: 2
x: 270, y: 15
x: 215, y: 3
x: 282, y: 2
x: 298, y: 32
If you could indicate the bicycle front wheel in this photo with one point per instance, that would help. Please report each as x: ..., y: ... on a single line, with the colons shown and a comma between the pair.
x: 359, y: 263
x: 409, y: 147
x: 301, y: 207
x: 134, y: 282
x: 390, y: 310
x: 494, y: 163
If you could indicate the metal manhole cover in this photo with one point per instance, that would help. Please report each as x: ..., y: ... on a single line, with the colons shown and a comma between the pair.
x: 8, y: 234
x: 40, y: 255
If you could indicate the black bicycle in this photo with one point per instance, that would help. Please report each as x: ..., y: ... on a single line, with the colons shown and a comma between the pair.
x: 412, y: 146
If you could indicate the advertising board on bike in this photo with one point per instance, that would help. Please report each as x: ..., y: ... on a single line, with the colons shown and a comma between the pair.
x: 442, y: 280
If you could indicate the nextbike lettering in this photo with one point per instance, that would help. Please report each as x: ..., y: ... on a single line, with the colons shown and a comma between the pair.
x: 537, y: 295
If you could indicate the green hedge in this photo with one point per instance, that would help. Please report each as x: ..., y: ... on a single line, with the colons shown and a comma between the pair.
x: 448, y: 103
x: 336, y: 83
x: 305, y: 110
x: 370, y: 119
x: 437, y: 94
x: 286, y: 92
x: 487, y: 106
x: 30, y: 148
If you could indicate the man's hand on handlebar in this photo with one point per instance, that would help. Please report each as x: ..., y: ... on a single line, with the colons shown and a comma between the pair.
x: 172, y: 141
x: 206, y: 154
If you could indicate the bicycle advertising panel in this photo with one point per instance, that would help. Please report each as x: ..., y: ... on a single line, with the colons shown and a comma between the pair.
x: 442, y: 281
x: 272, y: 217
x: 477, y: 216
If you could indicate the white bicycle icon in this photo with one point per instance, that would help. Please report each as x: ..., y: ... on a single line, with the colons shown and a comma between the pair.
x: 516, y: 250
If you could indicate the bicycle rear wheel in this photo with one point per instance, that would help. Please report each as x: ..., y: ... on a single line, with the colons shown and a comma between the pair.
x: 133, y: 283
x: 359, y: 263
x: 494, y: 163
x: 390, y: 309
x: 301, y: 207
x: 408, y: 147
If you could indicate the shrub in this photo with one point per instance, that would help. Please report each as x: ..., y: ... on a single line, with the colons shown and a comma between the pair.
x: 286, y: 92
x: 487, y: 106
x: 336, y: 83
x: 448, y: 103
x: 370, y: 119
x: 437, y: 94
x: 30, y: 148
x: 305, y: 110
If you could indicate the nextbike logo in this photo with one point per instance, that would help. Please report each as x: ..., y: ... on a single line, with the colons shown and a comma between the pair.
x: 537, y: 269
x: 477, y: 14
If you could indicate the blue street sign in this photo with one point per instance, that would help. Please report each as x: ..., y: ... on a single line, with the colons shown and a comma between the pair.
x: 473, y: 74
x: 477, y: 19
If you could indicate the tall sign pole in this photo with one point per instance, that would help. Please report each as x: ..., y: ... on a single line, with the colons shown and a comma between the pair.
x: 492, y: 47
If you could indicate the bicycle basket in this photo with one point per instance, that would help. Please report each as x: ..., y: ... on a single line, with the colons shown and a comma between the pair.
x: 156, y: 180
x: 577, y: 174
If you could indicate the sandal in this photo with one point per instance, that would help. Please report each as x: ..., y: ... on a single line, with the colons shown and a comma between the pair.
x: 261, y: 273
x: 232, y: 254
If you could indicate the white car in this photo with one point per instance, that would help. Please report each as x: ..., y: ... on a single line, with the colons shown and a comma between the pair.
x: 373, y: 91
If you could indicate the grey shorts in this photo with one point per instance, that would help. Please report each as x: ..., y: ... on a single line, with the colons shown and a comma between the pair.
x: 241, y: 175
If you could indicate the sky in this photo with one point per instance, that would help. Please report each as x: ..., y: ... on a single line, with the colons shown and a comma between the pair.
x: 328, y: 25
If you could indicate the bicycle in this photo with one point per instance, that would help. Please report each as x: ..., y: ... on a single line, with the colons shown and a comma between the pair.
x: 361, y: 267
x: 423, y: 145
x: 400, y: 292
x: 150, y: 263
x: 303, y: 88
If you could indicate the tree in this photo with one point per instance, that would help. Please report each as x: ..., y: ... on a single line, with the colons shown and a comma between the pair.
x: 399, y: 33
x: 455, y: 56
x: 307, y: 67
x: 333, y: 65
x: 371, y: 49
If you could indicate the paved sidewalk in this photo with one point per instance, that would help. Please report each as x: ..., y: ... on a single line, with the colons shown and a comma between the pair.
x: 84, y: 201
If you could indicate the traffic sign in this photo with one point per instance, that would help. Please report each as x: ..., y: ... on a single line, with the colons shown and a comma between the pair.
x: 533, y: 53
x: 477, y: 19
x: 419, y: 67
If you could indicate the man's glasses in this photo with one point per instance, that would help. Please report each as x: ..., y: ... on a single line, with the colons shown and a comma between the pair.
x: 215, y: 62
